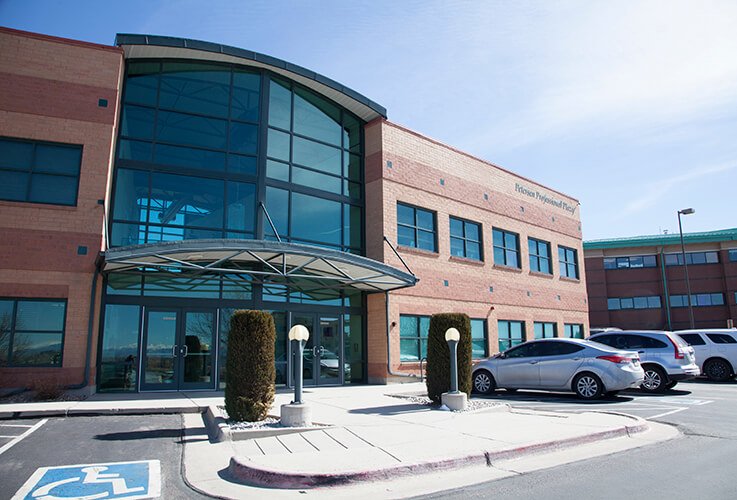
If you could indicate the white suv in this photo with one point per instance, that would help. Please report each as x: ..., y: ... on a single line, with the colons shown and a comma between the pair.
x: 665, y: 357
x: 716, y: 351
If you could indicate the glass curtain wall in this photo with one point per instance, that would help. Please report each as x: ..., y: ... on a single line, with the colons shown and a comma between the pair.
x: 200, y: 145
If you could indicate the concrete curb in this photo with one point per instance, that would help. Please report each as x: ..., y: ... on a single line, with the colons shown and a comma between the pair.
x: 219, y: 430
x: 94, y: 412
x: 240, y: 470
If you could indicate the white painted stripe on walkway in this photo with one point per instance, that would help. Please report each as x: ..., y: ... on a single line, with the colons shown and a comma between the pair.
x: 18, y: 439
x: 15, y: 425
x: 667, y: 413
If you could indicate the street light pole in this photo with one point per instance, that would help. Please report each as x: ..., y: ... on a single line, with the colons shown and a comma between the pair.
x: 686, y: 211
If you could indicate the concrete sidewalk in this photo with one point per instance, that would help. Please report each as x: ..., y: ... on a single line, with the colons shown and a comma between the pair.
x: 374, y: 435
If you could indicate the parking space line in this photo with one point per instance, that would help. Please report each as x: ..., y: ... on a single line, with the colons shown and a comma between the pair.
x: 18, y: 439
x: 15, y: 425
x: 667, y: 413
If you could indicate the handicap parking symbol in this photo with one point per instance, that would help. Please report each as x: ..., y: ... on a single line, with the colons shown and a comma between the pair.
x: 129, y: 480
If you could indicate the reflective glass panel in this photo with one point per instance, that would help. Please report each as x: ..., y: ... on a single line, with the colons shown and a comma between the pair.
x: 244, y: 103
x: 37, y: 349
x: 352, y: 223
x: 277, y: 203
x: 315, y: 180
x: 242, y: 164
x: 13, y: 185
x: 316, y: 118
x: 142, y: 82
x: 318, y: 156
x: 186, y: 201
x: 189, y: 157
x: 137, y: 122
x: 243, y: 137
x: 278, y: 145
x: 53, y: 159
x: 277, y: 170
x: 241, y: 206
x: 195, y: 87
x: 56, y: 189
x: 40, y: 316
x: 135, y: 150
x: 119, y: 352
x: 280, y: 105
x: 189, y: 130
x: 316, y: 219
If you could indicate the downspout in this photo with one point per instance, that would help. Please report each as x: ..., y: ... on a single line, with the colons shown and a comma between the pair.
x: 389, y: 345
x: 665, y: 290
x: 90, y: 327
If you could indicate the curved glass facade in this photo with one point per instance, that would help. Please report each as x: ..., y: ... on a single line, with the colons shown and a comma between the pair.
x: 201, y: 146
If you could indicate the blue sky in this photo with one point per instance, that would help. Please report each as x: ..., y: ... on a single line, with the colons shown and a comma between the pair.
x: 631, y: 107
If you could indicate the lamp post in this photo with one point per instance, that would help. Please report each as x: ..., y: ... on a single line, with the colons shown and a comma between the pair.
x: 686, y: 211
x: 297, y: 414
x: 455, y: 400
x: 452, y: 337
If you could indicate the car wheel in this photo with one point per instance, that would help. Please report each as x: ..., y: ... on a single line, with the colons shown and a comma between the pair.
x: 587, y: 386
x: 483, y: 382
x: 655, y: 380
x: 717, y: 370
x: 671, y: 384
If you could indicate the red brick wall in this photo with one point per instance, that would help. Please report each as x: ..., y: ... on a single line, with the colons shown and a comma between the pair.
x: 49, y: 91
x: 705, y: 278
x: 417, y: 166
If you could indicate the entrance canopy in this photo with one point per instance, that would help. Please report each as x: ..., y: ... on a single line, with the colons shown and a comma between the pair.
x: 297, y: 266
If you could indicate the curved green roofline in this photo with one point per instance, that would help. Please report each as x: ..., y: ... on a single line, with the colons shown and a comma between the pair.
x: 663, y: 239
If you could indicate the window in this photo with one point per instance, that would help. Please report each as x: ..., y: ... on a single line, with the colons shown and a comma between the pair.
x: 557, y: 348
x: 416, y: 227
x: 478, y: 339
x: 39, y: 172
x: 698, y: 300
x: 31, y: 332
x: 721, y: 338
x: 511, y: 333
x: 634, y: 262
x: 692, y: 338
x: 649, y: 302
x: 692, y: 258
x: 539, y: 256
x: 545, y: 330
x: 506, y: 248
x: 568, y: 260
x: 573, y: 331
x: 413, y: 332
x: 465, y: 239
x: 733, y: 255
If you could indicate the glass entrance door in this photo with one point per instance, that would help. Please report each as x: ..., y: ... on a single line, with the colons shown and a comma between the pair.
x: 177, y: 350
x: 323, y: 356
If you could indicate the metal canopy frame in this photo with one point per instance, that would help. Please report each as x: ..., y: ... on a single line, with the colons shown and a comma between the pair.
x: 299, y: 267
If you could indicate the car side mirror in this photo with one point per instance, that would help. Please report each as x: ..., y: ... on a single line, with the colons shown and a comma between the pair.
x: 501, y: 355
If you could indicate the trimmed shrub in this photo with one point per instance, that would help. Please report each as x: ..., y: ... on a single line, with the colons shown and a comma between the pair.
x: 250, y: 371
x: 438, y: 355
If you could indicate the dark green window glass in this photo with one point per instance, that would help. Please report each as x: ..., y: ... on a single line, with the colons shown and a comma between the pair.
x: 123, y: 284
x: 317, y: 156
x: 413, y: 331
x: 142, y: 83
x: 573, y: 331
x: 478, y: 339
x: 278, y: 145
x: 186, y: 201
x: 280, y: 105
x: 118, y: 366
x: 34, y: 329
x: 568, y: 260
x: 352, y: 223
x: 465, y: 239
x: 123, y: 235
x: 277, y: 203
x: 135, y: 150
x: 242, y: 164
x: 353, y: 341
x: 189, y: 157
x: 352, y: 167
x: 195, y: 88
x: 315, y: 219
x: 191, y: 130
x: 244, y: 102
x: 511, y: 333
x: 241, y: 206
x: 351, y: 134
x: 310, y: 178
x: 545, y: 330
x: 137, y: 122
x: 539, y: 256
x: 415, y: 227
x: 506, y: 248
x: 131, y: 195
x: 277, y: 170
x: 40, y: 172
x: 243, y: 138
x: 316, y: 118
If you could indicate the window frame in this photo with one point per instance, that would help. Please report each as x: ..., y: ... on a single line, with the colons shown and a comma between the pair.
x: 563, y: 263
x: 30, y: 172
x: 678, y: 258
x: 536, y: 257
x: 465, y: 239
x: 513, y: 342
x: 485, y: 338
x: 633, y: 301
x: 681, y: 300
x: 568, y: 330
x: 504, y: 249
x: 416, y: 228
x: 418, y: 338
x: 13, y: 331
x: 545, y: 326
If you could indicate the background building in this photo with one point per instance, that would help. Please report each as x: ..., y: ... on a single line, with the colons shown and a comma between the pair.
x: 640, y: 282
x: 148, y: 190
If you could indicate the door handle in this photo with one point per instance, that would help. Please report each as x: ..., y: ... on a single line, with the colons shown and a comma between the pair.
x: 185, y: 351
x: 640, y: 352
x: 318, y: 350
x: 174, y: 351
x: 533, y: 362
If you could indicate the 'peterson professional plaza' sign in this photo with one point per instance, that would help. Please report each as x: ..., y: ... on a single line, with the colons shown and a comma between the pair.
x: 545, y: 198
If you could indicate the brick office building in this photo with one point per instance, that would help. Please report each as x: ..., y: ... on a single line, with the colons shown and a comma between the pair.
x: 640, y: 282
x: 149, y: 189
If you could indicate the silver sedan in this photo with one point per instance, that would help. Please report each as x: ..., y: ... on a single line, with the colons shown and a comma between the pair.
x: 561, y: 364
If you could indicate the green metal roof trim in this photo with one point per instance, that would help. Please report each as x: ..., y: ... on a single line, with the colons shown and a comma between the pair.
x: 663, y: 239
x: 170, y: 41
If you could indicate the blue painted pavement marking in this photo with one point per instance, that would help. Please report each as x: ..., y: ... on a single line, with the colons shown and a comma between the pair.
x: 129, y: 480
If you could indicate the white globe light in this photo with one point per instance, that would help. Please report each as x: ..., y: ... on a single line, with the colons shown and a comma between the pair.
x: 452, y: 334
x: 299, y: 332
